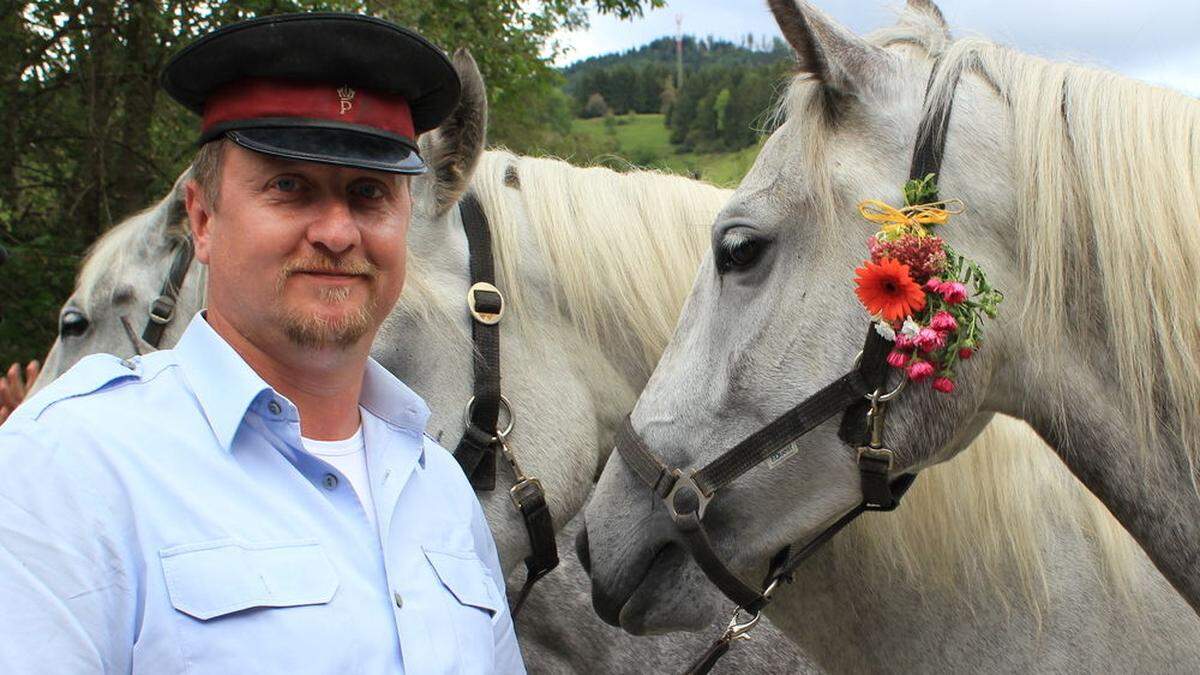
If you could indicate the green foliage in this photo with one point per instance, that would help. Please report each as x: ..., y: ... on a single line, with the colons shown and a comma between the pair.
x: 642, y: 141
x: 87, y: 138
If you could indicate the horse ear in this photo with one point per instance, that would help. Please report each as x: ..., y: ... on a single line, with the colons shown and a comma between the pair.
x: 453, y: 149
x: 925, y: 12
x: 842, y: 61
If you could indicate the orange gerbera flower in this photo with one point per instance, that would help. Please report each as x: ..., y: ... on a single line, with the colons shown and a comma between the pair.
x: 887, y: 289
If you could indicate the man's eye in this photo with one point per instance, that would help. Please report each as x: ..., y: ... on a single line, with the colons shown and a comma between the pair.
x: 367, y: 191
x: 286, y: 184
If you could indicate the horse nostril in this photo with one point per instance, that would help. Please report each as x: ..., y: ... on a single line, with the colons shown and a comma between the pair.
x: 581, y: 550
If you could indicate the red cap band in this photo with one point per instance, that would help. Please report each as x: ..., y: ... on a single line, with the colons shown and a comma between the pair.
x: 257, y: 98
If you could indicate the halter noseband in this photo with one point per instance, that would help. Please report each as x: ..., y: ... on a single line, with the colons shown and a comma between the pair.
x: 858, y: 395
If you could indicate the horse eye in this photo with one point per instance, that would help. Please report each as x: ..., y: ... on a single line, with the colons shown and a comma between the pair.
x: 739, y: 250
x: 72, y: 323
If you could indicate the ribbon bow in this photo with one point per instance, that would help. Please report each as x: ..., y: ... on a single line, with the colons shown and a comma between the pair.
x: 909, y: 219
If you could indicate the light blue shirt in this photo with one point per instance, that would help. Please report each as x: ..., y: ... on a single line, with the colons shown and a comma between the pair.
x: 159, y: 515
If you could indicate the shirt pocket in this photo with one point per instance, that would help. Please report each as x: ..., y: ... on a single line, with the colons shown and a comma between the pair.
x: 473, y: 606
x: 210, y: 579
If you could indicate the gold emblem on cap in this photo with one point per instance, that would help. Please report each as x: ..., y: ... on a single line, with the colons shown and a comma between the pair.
x: 346, y: 98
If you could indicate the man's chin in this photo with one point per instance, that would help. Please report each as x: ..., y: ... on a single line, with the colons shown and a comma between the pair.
x: 324, y: 330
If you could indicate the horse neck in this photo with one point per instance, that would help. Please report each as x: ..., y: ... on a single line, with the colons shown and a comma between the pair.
x: 853, y: 609
x: 1151, y: 491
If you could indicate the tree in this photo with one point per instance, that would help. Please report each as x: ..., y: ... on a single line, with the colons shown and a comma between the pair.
x: 596, y: 106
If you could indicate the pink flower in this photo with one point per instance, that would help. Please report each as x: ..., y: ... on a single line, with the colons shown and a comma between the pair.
x: 929, y: 339
x: 934, y: 285
x: 953, y: 292
x: 897, y: 358
x: 944, y: 385
x: 904, y: 342
x: 943, y: 322
x: 919, y: 370
x: 966, y: 353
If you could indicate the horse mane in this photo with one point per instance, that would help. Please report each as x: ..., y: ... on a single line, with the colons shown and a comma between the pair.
x: 1122, y: 242
x: 620, y: 249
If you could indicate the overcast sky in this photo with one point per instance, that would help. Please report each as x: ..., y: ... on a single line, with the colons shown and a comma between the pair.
x: 1154, y: 40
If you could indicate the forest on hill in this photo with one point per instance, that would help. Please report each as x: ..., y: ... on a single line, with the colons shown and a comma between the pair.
x: 721, y: 105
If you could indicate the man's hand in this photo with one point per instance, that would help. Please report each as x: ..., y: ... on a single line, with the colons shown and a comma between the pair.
x: 14, y: 385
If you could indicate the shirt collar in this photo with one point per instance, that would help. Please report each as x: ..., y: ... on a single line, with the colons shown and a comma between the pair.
x: 226, y: 386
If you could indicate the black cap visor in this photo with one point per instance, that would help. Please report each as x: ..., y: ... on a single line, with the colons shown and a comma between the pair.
x: 341, y: 146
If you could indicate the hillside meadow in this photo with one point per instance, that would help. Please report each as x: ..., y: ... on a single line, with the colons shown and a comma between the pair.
x: 642, y: 141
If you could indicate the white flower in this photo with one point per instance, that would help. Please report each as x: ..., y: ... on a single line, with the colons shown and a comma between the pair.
x: 885, y: 331
x: 911, y: 328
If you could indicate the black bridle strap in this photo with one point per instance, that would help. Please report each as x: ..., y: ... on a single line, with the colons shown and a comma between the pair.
x: 531, y: 502
x: 162, y: 309
x: 476, y: 451
x: 807, y: 415
x: 835, y: 397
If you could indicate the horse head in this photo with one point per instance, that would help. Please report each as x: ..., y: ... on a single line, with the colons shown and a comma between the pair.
x: 773, y: 316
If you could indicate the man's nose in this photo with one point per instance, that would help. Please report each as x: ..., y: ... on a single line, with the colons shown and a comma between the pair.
x: 335, y: 229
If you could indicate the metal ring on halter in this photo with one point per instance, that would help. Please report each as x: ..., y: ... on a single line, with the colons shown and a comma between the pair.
x: 876, y: 396
x: 505, y: 406
x: 740, y: 630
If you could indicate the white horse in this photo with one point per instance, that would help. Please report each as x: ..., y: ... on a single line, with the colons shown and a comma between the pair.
x: 595, y: 266
x: 1083, y: 190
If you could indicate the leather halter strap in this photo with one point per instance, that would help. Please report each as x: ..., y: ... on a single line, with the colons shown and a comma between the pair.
x: 856, y: 394
x: 476, y: 451
x: 162, y: 308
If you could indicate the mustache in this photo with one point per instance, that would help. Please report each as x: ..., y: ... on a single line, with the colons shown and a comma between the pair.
x: 328, y: 265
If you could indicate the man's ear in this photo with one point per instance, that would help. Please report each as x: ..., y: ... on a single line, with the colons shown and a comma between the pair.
x: 199, y: 219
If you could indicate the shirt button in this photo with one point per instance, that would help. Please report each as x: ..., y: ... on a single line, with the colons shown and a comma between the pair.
x: 331, y: 481
x: 399, y: 600
x: 273, y: 406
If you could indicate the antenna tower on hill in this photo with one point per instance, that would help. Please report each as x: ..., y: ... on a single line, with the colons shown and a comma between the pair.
x: 678, y: 52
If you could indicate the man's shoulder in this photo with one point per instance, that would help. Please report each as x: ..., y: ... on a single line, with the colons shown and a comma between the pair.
x: 89, y: 379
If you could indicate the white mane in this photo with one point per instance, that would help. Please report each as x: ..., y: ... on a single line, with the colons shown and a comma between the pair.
x: 621, y: 249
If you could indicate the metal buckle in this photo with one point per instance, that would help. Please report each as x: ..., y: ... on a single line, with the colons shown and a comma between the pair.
x: 682, y: 481
x: 517, y: 492
x: 485, y: 318
x: 877, y: 396
x: 882, y: 455
x: 163, y: 304
x: 505, y: 407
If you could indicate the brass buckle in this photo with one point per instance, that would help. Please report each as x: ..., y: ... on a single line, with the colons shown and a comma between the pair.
x: 516, y: 492
x: 485, y: 318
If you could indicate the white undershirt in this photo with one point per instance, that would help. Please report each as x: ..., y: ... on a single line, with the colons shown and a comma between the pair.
x: 350, y: 457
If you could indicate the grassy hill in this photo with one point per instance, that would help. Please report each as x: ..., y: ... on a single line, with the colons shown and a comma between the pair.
x: 641, y: 140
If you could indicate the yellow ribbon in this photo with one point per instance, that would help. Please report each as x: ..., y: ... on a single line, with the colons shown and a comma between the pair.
x: 909, y: 219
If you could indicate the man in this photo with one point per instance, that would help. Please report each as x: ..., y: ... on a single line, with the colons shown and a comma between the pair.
x: 262, y: 498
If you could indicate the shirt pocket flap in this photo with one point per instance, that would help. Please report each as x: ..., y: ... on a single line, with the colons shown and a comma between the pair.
x: 214, y: 578
x: 466, y: 577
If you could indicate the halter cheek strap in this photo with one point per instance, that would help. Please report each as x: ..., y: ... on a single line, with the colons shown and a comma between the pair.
x: 482, y: 437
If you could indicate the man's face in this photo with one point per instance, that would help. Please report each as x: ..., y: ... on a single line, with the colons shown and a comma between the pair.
x: 308, y: 253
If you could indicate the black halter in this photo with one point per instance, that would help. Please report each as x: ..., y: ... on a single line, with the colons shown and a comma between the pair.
x: 476, y: 451
x: 162, y: 308
x: 861, y: 398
